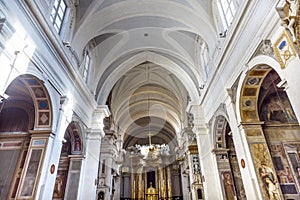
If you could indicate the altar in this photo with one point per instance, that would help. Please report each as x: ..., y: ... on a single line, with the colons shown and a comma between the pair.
x: 152, y: 193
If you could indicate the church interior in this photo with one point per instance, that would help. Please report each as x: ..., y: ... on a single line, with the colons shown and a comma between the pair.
x: 149, y: 99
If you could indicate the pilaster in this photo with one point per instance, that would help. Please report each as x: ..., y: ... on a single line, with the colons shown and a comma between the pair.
x: 54, y: 149
x: 108, y: 169
x: 258, y: 155
x: 205, y: 154
x: 93, y: 145
x: 243, y: 153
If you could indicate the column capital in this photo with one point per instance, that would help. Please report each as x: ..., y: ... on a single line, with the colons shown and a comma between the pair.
x: 99, y: 114
x: 199, y: 121
x: 194, y: 109
x: 250, y: 125
x: 97, y: 124
x: 63, y: 100
x: 103, y: 109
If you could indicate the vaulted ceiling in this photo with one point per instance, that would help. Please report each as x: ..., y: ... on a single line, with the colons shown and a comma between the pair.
x: 145, y: 58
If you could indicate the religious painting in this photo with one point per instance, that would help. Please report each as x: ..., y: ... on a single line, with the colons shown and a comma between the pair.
x: 31, y: 173
x: 264, y: 171
x: 60, y: 184
x: 269, y: 179
x: 228, y: 185
x: 286, y: 163
x: 77, y: 145
x: 277, y: 108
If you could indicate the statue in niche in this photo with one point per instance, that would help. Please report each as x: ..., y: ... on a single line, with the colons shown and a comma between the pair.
x: 197, y: 178
x: 165, y: 149
x: 77, y: 144
x: 288, y: 14
x: 293, y: 9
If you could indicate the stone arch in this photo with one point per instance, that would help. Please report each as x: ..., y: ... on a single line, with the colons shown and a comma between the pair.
x: 75, y: 138
x: 261, y: 61
x: 69, y: 167
x: 26, y: 120
x: 40, y: 98
x: 250, y: 91
x: 219, y: 131
x: 269, y: 124
x: 226, y: 159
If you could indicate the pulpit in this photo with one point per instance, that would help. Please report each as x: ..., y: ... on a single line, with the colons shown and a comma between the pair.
x: 152, y: 193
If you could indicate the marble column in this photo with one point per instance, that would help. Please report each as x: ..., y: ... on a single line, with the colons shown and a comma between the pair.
x: 126, y: 184
x: 176, y: 180
x: 91, y: 162
x: 185, y: 185
x: 105, y: 175
x: 169, y: 181
x: 133, y: 184
x: 140, y: 183
x: 162, y: 180
x: 117, y: 188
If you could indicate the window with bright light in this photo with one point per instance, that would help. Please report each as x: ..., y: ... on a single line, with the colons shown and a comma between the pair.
x: 86, y: 67
x: 227, y: 11
x: 58, y: 14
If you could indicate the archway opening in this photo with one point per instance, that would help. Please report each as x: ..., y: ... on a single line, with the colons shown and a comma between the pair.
x: 24, y: 110
x: 272, y: 130
x: 228, y: 167
x: 68, y: 173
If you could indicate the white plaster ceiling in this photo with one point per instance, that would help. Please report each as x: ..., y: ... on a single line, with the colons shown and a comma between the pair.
x: 144, y: 51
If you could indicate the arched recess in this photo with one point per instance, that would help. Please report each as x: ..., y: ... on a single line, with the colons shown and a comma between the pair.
x: 69, y: 168
x: 25, y: 125
x: 227, y: 162
x: 272, y: 130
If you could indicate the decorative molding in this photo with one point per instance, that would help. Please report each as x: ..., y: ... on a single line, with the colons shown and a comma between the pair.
x: 284, y: 49
x: 264, y: 48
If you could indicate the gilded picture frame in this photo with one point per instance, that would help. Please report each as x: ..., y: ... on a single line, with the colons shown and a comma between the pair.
x: 284, y: 49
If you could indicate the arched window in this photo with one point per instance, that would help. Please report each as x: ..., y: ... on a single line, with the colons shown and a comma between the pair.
x: 227, y: 11
x: 86, y: 66
x: 57, y: 14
